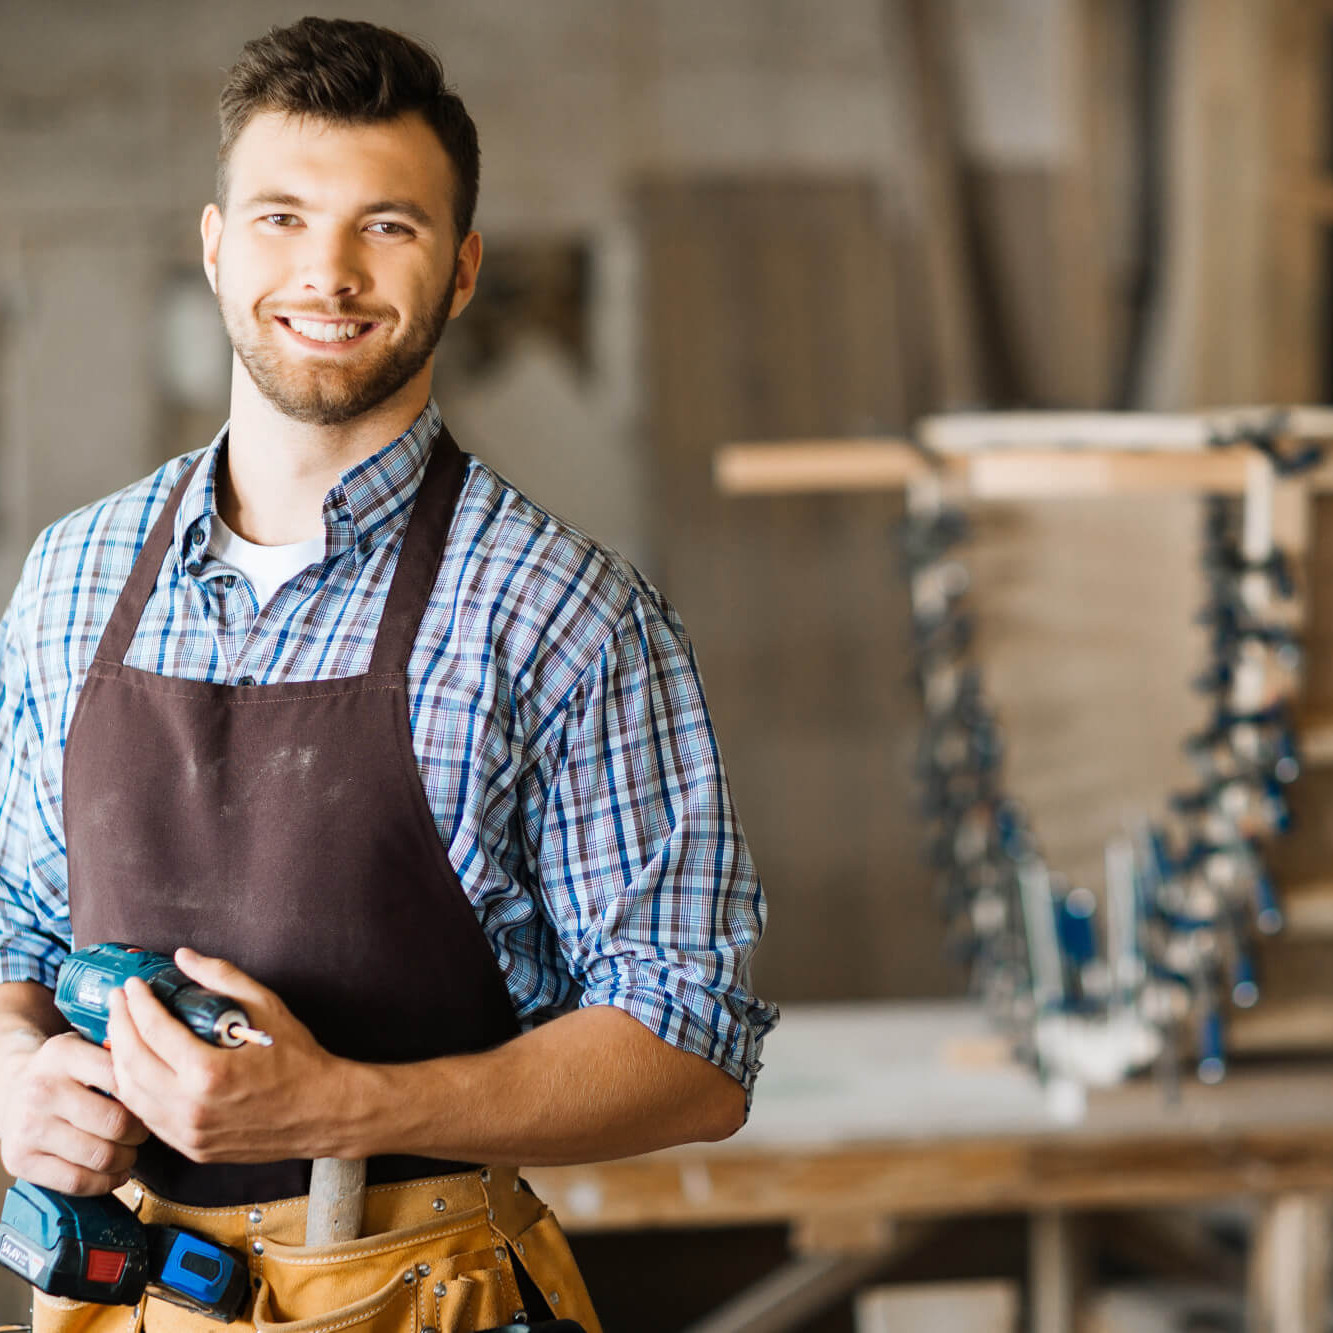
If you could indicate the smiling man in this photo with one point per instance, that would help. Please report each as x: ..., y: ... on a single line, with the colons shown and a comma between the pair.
x: 421, y: 775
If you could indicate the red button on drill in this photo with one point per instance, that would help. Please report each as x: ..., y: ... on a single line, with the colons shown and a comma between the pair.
x: 105, y: 1266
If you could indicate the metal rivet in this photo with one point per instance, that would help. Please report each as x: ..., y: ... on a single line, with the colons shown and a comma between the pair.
x: 138, y: 1195
x: 554, y: 1298
x: 255, y: 1216
x: 490, y: 1214
x: 439, y: 1288
x: 258, y: 1247
x: 410, y: 1276
x: 439, y: 1205
x: 520, y: 1316
x: 428, y: 1329
x: 423, y: 1270
x: 485, y: 1175
x: 518, y: 1184
x: 500, y: 1253
x: 518, y: 1245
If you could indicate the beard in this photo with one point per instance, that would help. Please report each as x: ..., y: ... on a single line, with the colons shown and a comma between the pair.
x: 331, y: 393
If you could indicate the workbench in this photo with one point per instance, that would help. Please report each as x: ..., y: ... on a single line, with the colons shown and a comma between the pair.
x: 871, y: 1117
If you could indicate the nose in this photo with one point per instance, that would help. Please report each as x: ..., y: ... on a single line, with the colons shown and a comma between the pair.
x: 332, y: 265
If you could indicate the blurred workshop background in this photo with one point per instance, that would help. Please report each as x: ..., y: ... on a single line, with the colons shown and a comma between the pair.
x: 710, y: 221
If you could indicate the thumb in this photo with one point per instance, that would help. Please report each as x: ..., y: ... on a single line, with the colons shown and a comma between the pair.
x: 219, y: 975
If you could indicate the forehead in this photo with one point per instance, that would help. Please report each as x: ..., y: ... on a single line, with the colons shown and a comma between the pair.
x: 302, y: 155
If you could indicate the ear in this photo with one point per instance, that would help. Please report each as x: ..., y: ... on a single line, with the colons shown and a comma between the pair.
x: 210, y: 229
x: 466, y: 267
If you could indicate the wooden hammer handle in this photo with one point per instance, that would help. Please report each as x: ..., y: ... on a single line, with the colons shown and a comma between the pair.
x: 337, y: 1200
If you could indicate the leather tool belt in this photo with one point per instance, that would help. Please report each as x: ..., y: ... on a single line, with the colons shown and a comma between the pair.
x: 437, y: 1256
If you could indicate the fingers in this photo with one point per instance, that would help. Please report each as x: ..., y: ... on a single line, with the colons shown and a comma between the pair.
x: 67, y: 1177
x: 62, y: 1082
x: 219, y: 975
x: 147, y: 1044
x: 61, y: 1132
x: 89, y: 1152
x: 83, y: 1062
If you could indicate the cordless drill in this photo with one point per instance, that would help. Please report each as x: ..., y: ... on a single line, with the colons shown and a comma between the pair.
x: 95, y: 1249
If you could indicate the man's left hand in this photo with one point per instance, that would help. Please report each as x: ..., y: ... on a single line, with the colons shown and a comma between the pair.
x: 252, y: 1104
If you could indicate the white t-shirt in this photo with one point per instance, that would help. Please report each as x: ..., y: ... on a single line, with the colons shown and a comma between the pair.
x: 266, y: 568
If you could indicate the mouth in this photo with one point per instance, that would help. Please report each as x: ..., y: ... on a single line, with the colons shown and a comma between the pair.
x: 326, y: 333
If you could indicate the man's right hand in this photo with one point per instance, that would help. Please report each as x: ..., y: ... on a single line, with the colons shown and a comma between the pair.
x: 56, y: 1128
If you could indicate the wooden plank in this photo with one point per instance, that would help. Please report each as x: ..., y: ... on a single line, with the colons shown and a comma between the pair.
x: 1287, y: 1026
x: 1298, y: 144
x: 963, y: 432
x: 956, y: 363
x: 1307, y: 910
x: 1065, y: 474
x: 967, y: 432
x: 1055, y: 1271
x: 830, y: 465
x: 792, y: 602
x: 936, y: 1179
x: 1291, y: 1257
x: 940, y: 1307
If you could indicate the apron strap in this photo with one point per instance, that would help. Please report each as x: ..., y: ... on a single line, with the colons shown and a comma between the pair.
x: 120, y: 629
x: 420, y: 555
x: 409, y: 593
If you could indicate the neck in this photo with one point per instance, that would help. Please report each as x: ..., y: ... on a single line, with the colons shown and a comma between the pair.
x: 279, y: 470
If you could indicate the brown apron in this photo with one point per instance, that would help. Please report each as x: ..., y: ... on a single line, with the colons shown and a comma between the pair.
x: 285, y: 828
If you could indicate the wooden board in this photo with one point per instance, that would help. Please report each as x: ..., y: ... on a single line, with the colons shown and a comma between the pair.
x: 795, y: 604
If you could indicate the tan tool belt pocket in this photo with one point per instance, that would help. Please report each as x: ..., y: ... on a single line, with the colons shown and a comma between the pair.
x: 452, y: 1277
x: 57, y: 1314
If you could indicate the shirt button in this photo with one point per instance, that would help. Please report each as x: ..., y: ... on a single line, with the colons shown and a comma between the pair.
x: 197, y: 537
x: 246, y: 680
x: 367, y: 545
x: 229, y: 580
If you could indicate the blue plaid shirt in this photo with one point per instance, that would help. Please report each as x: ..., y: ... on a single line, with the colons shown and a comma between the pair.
x: 557, y: 717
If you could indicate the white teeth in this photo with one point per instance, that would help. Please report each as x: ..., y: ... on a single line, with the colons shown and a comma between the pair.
x: 325, y: 333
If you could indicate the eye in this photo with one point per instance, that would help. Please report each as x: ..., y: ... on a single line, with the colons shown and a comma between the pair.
x: 281, y: 219
x: 385, y: 228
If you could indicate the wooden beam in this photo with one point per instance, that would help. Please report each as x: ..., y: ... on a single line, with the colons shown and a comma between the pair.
x: 1284, y: 1026
x: 832, y: 465
x: 1290, y: 1261
x: 1032, y: 455
x: 821, y: 465
x: 934, y: 1179
x: 967, y: 432
x: 1055, y: 1271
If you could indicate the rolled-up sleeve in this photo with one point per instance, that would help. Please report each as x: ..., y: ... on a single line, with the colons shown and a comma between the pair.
x: 644, y: 868
x: 30, y: 950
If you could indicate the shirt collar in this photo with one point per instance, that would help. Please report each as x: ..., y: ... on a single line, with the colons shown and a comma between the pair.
x: 367, y: 503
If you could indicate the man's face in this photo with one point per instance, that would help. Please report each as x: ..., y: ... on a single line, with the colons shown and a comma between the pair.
x: 334, y: 265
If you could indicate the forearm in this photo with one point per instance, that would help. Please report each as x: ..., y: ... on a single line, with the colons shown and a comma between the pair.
x: 590, y: 1086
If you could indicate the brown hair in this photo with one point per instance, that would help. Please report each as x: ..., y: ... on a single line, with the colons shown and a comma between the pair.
x: 351, y: 73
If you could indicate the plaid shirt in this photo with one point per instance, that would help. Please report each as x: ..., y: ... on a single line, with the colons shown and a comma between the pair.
x: 557, y: 717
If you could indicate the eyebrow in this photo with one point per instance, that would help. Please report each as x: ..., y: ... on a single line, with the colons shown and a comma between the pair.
x: 405, y: 207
